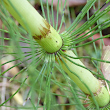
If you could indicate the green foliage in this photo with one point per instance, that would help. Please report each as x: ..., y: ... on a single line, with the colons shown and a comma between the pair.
x: 42, y: 81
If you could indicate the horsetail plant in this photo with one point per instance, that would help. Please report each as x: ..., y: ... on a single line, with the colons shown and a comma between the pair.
x: 56, y: 49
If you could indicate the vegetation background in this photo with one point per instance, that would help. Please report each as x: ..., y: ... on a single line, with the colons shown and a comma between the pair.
x: 24, y: 81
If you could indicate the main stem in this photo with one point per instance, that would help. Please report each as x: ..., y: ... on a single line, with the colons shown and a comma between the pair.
x: 51, y: 42
x: 85, y: 79
x: 34, y: 23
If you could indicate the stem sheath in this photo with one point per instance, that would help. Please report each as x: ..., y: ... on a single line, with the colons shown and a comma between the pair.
x: 34, y: 23
x: 82, y: 77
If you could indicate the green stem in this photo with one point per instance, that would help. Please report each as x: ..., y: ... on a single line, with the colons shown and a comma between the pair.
x: 85, y: 79
x: 34, y: 23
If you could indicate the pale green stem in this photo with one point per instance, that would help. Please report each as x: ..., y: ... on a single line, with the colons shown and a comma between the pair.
x: 51, y: 42
x: 32, y: 21
x: 82, y: 77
